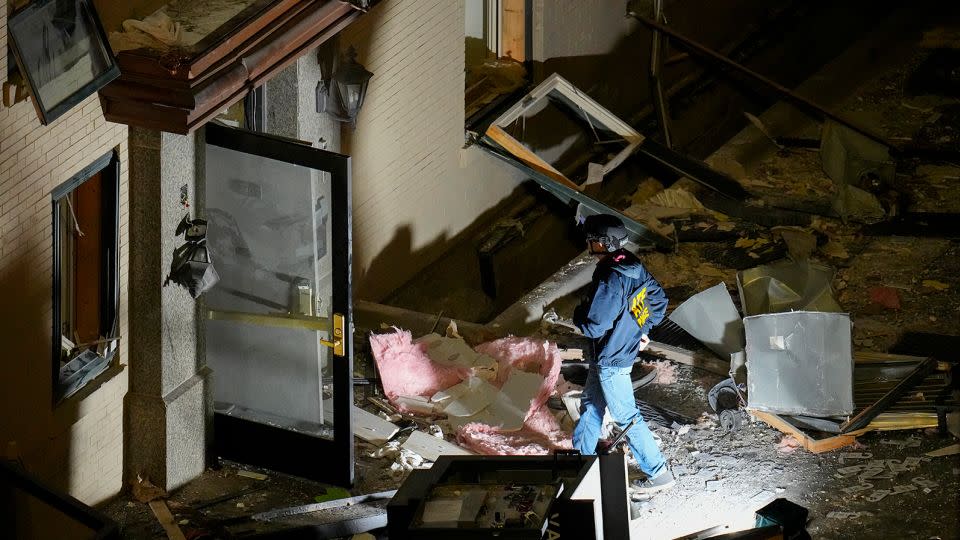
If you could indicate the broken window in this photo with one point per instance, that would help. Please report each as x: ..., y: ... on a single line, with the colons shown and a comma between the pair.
x: 86, y: 282
x: 62, y: 53
x: 496, y: 43
x: 570, y: 127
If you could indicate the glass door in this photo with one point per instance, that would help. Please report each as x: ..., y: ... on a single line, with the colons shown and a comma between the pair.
x: 279, y: 322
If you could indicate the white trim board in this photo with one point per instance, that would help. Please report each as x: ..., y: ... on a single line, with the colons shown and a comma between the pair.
x: 367, y: 426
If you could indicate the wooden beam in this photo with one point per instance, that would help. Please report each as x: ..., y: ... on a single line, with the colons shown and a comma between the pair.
x: 816, y: 446
x: 867, y: 358
x: 526, y: 155
x: 513, y: 40
x: 891, y: 421
x: 701, y: 360
x: 163, y: 515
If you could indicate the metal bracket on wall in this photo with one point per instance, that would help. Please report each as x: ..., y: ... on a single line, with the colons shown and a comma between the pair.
x: 800, y: 102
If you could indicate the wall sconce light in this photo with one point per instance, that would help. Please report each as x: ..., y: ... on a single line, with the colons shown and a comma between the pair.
x: 343, y: 84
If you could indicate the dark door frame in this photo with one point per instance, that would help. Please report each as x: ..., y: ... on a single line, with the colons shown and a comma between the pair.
x: 273, y: 447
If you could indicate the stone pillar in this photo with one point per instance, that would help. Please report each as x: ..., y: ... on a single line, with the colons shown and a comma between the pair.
x: 291, y: 105
x: 168, y: 410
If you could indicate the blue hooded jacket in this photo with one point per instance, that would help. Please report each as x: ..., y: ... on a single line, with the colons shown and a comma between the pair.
x: 626, y: 302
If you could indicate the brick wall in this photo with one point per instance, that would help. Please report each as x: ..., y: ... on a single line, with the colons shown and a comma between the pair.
x: 414, y: 186
x: 77, y: 446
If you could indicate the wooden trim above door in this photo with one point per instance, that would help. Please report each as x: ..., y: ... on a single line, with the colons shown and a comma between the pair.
x: 179, y: 91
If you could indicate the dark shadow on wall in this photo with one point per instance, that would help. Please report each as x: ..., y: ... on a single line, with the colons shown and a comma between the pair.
x: 451, y: 280
x: 373, y: 282
x: 27, y: 418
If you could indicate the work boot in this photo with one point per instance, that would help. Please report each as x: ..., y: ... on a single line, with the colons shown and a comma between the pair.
x: 649, y: 486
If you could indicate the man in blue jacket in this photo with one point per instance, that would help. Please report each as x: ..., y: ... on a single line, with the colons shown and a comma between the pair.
x: 625, y: 303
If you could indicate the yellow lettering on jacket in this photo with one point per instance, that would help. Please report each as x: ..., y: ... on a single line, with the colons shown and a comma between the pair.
x: 638, y: 307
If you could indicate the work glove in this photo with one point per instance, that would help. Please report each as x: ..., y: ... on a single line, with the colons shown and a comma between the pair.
x: 550, y: 318
x: 644, y: 341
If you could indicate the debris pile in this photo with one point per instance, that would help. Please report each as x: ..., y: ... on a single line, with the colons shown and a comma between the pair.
x: 494, y: 397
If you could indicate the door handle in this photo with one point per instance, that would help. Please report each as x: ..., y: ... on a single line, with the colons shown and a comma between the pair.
x: 337, y: 342
x: 291, y: 320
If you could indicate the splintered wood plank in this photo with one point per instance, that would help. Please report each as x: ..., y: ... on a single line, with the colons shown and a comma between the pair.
x: 945, y: 451
x: 431, y: 447
x: 892, y: 421
x: 524, y: 154
x: 813, y: 445
x: 165, y: 518
x: 512, y: 35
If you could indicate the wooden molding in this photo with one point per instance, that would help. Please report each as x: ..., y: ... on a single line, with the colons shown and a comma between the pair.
x: 180, y: 91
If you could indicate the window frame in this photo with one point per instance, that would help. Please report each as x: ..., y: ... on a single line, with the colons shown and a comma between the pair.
x: 108, y: 166
x: 558, y: 89
x: 48, y: 112
x: 495, y: 24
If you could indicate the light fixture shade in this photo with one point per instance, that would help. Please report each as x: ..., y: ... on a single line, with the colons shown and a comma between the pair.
x: 351, y: 79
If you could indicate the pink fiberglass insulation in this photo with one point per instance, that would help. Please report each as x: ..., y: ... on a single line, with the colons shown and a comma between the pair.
x: 666, y: 371
x: 526, y: 354
x: 406, y: 370
x: 541, y: 433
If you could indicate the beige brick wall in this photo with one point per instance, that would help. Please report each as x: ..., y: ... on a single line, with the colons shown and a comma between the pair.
x: 414, y: 186
x: 77, y: 446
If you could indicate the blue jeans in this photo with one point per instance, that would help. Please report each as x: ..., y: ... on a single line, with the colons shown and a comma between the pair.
x: 611, y: 388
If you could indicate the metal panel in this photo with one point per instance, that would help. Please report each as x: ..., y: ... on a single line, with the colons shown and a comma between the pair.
x: 786, y: 286
x: 800, y: 363
x: 711, y: 317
